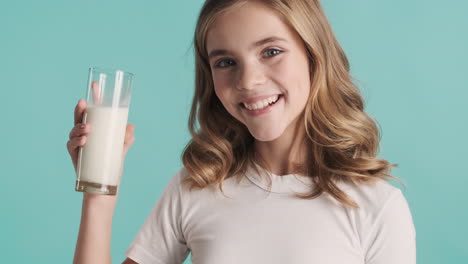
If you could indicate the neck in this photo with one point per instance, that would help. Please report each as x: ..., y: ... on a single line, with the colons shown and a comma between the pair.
x: 286, y: 154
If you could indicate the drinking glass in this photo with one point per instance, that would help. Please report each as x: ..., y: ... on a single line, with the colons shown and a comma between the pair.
x: 99, y: 167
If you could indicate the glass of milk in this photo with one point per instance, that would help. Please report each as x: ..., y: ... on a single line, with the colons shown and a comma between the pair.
x: 99, y: 167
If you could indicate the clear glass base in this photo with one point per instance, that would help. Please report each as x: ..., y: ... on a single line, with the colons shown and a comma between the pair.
x: 97, y: 188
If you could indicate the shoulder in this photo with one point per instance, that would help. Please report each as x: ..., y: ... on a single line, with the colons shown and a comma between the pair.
x: 374, y: 197
x: 384, y: 212
x: 173, y: 184
x: 176, y: 183
x: 381, y: 205
x: 191, y: 192
x: 175, y: 180
x: 384, y: 222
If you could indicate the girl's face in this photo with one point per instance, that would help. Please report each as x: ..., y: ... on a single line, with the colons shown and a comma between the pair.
x: 256, y: 59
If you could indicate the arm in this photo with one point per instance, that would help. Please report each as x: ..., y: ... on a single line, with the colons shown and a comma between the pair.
x: 93, y: 245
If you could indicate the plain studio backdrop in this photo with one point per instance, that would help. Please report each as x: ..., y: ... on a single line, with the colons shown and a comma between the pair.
x: 410, y: 57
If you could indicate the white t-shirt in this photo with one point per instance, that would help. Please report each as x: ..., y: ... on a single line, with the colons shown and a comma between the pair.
x: 253, y: 226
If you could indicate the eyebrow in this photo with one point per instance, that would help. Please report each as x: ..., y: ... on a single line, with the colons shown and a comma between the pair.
x: 219, y: 52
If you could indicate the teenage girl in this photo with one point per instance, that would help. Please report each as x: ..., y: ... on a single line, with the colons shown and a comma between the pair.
x: 281, y: 167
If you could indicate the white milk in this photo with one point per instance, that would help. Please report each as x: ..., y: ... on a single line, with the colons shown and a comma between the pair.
x: 101, y: 156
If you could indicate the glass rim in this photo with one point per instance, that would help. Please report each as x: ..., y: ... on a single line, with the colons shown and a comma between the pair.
x: 110, y: 69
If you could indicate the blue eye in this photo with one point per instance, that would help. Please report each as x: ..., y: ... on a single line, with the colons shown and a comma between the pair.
x: 222, y: 63
x: 274, y: 50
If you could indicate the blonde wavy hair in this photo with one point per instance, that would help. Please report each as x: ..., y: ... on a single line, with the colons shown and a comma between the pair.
x: 342, y: 140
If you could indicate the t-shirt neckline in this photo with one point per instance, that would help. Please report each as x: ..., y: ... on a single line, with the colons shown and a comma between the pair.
x: 288, y: 183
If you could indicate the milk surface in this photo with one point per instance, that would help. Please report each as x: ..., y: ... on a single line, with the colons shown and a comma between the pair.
x: 100, y: 158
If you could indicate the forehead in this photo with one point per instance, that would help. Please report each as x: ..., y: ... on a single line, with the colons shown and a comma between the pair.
x: 240, y: 27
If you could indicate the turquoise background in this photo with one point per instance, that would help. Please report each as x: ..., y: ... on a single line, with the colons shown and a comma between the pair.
x: 410, y: 58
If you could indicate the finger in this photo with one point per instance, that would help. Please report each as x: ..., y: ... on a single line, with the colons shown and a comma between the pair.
x: 127, y: 145
x: 129, y: 132
x: 75, y: 142
x: 78, y: 130
x: 96, y: 89
x: 79, y: 109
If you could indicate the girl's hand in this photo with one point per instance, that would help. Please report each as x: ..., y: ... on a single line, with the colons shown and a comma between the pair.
x: 77, y: 136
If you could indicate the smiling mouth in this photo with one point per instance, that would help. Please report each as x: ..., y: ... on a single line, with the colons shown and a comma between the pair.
x: 270, y: 104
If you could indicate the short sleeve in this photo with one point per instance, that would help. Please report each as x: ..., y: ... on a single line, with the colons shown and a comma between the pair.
x: 391, y: 236
x: 160, y: 239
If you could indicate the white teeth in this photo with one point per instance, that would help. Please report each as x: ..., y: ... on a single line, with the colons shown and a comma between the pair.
x: 261, y: 104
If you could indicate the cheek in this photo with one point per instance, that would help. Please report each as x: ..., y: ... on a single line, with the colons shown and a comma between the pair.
x: 293, y: 74
x: 219, y: 87
x: 224, y: 95
x: 223, y: 89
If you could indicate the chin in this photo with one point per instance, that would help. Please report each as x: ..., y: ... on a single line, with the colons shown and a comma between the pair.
x: 266, y: 135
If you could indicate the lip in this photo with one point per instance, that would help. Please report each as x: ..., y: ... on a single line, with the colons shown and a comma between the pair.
x: 255, y: 99
x: 264, y: 110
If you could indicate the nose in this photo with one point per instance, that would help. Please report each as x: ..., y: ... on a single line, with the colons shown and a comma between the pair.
x: 250, y: 75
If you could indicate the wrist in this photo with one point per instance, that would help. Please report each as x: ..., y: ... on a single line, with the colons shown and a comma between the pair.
x: 99, y: 200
